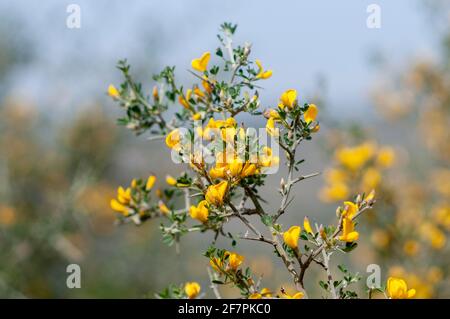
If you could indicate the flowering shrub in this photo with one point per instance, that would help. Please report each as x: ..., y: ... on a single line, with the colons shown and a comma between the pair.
x: 223, y: 177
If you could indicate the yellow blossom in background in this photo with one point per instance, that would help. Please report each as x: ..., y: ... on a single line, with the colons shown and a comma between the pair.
x: 411, y: 247
x: 371, y: 178
x: 215, y: 194
x: 355, y: 157
x: 291, y: 236
x: 163, y: 208
x: 288, y: 99
x: 396, y: 288
x: 261, y: 73
x: 307, y: 225
x: 201, y: 64
x: 348, y: 231
x: 440, y: 179
x: 150, y: 182
x: 431, y: 233
x: 311, y: 113
x: 334, y: 192
x: 171, y: 181
x: 441, y: 214
x: 380, y: 238
x: 112, y: 91
x: 386, y: 157
x: 7, y: 216
x: 192, y: 289
x: 200, y: 212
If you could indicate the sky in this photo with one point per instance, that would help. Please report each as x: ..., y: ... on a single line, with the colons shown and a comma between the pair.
x: 303, y: 42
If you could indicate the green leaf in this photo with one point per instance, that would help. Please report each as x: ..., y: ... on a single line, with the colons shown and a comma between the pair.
x: 267, y: 220
x: 349, y: 247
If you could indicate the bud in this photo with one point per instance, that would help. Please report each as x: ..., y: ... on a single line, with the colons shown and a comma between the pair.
x: 282, y: 184
x: 323, y: 235
x: 338, y: 211
x: 155, y: 94
x: 247, y: 49
x: 358, y: 200
x: 222, y: 94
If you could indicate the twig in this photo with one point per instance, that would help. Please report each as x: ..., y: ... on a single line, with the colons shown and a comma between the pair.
x: 213, y: 286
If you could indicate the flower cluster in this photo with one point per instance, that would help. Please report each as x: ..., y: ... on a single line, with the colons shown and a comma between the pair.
x: 356, y: 167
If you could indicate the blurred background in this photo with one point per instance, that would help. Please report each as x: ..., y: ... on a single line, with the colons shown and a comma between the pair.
x: 62, y: 155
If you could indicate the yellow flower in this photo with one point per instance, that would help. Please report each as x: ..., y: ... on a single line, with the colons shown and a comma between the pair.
x: 291, y: 236
x: 163, y: 208
x: 124, y: 196
x: 272, y: 113
x: 201, y: 64
x: 270, y: 127
x: 115, y: 205
x: 215, y: 194
x: 307, y: 225
x: 150, y: 182
x: 200, y: 212
x: 206, y: 85
x: 386, y: 157
x: 397, y: 289
x: 112, y: 91
x: 348, y: 231
x: 311, y: 113
x: 265, y: 292
x: 288, y: 99
x: 173, y: 139
x: 316, y: 128
x: 192, y: 289
x: 350, y: 210
x: 171, y: 181
x: 298, y: 295
x: 184, y: 100
x: 248, y: 170
x: 261, y: 73
x: 234, y: 260
x: 217, y: 172
x: 197, y: 116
